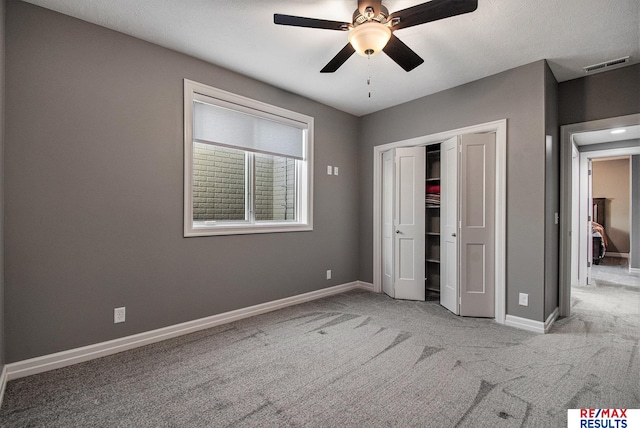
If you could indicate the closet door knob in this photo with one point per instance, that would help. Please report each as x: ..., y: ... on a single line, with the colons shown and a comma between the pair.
x: 454, y: 234
x: 397, y: 231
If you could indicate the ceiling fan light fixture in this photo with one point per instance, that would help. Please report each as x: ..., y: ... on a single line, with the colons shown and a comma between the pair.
x: 370, y: 38
x: 371, y: 29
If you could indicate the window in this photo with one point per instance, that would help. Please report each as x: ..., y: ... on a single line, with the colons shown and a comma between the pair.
x: 248, y: 165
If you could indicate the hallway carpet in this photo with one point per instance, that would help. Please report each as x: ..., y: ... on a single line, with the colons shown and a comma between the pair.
x: 357, y: 359
x: 614, y: 270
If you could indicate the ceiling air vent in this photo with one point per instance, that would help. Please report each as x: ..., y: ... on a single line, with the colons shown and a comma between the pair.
x: 606, y: 64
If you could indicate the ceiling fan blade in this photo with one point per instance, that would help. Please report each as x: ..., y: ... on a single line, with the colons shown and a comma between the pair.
x: 339, y: 59
x: 432, y: 11
x: 402, y: 54
x: 375, y: 4
x: 299, y: 21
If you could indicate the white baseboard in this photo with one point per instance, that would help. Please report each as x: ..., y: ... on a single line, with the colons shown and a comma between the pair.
x: 365, y: 285
x: 524, y: 323
x: 3, y: 383
x: 73, y: 356
x: 618, y: 255
x: 531, y: 325
x: 634, y: 271
x: 551, y: 319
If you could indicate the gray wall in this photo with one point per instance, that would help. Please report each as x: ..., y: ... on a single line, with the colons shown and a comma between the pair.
x: 2, y: 66
x: 94, y: 192
x: 552, y: 195
x: 600, y: 96
x: 634, y: 259
x: 517, y: 95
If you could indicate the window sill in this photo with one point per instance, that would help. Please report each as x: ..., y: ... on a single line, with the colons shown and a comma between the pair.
x: 228, y: 229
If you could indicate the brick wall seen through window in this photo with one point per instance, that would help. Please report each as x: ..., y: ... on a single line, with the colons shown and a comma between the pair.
x: 219, y: 185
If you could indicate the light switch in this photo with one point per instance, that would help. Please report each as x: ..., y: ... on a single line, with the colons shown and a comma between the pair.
x: 523, y: 299
x: 329, y: 170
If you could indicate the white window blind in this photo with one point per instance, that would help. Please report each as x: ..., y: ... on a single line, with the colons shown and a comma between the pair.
x: 215, y: 124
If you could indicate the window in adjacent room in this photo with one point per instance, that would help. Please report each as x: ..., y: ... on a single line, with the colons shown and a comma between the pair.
x: 248, y: 165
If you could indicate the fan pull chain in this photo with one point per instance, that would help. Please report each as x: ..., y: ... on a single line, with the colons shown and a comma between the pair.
x: 369, y: 73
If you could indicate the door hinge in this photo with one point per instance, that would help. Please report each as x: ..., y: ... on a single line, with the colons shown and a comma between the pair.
x: 588, y: 218
x: 460, y: 224
x: 588, y: 264
x: 459, y: 300
x: 589, y: 172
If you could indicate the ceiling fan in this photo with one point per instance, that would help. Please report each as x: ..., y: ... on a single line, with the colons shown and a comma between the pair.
x: 371, y: 30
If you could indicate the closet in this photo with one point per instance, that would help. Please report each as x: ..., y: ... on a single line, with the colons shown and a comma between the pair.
x: 432, y: 223
x: 438, y: 223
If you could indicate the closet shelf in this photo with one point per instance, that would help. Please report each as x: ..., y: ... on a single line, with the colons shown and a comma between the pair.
x: 432, y: 222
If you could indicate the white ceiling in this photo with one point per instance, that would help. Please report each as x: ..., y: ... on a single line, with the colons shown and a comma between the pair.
x: 606, y: 136
x: 499, y: 35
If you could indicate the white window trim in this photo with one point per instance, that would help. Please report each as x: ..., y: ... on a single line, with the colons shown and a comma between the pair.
x: 304, y: 207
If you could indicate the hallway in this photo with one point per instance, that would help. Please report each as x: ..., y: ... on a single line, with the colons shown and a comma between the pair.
x: 614, y: 271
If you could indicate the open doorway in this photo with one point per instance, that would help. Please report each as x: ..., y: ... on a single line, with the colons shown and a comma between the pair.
x: 611, y: 196
x: 581, y: 144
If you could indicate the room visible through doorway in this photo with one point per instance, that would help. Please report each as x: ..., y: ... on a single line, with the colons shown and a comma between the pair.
x: 583, y: 263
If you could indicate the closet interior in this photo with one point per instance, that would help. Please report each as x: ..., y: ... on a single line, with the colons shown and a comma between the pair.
x: 432, y: 223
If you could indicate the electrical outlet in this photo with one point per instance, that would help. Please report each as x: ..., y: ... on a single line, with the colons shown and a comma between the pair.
x: 335, y: 170
x: 329, y: 274
x: 118, y: 315
x: 524, y: 299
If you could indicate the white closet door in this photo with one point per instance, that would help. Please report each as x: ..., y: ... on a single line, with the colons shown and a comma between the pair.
x: 477, y: 225
x: 387, y: 222
x: 409, y: 251
x: 449, y: 225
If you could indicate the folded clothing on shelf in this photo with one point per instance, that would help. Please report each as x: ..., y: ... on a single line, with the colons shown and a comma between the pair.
x: 433, y: 188
x: 432, y: 199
